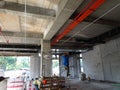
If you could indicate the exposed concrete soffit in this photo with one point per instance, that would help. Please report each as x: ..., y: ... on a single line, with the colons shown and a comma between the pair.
x: 66, y: 9
x: 22, y: 34
x: 100, y: 21
x: 15, y: 54
x: 24, y: 51
x: 66, y: 47
x: 19, y: 9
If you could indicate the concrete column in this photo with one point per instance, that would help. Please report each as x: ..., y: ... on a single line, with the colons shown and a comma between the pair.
x: 74, y: 63
x: 35, y: 66
x: 77, y: 66
x: 46, y: 62
x: 3, y: 85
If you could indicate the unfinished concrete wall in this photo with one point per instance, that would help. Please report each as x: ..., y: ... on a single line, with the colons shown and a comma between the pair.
x: 35, y: 66
x: 103, y: 62
x: 92, y: 64
x: 3, y: 85
x: 110, y: 55
x: 74, y: 67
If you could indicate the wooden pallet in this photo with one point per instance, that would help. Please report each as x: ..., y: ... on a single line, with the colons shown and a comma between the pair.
x: 53, y: 83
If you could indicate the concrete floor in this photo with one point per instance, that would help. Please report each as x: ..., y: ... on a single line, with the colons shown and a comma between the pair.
x: 75, y: 84
x: 79, y: 85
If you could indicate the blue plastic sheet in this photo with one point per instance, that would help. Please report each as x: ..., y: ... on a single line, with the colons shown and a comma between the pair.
x: 65, y: 60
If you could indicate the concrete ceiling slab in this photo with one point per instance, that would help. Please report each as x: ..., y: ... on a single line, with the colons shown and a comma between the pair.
x: 109, y: 4
x: 104, y: 24
x: 47, y: 17
x: 12, y: 18
x: 34, y: 24
x: 9, y: 22
x: 51, y: 4
x: 19, y: 9
x: 90, y: 32
x: 66, y: 9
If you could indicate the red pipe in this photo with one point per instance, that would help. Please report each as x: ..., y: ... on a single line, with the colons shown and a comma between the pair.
x: 92, y: 6
x: 84, y: 9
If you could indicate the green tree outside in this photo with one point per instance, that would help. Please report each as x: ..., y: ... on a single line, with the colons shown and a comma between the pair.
x: 7, y: 62
x: 11, y: 63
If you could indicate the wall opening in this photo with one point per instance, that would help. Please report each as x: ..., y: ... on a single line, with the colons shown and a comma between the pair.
x: 81, y: 63
x: 15, y: 66
x: 55, y: 65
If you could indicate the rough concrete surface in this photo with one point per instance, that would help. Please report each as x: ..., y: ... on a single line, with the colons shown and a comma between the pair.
x: 79, y: 85
x: 3, y: 85
x: 103, y: 62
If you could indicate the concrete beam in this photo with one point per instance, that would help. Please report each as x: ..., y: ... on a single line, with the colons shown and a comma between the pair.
x: 20, y: 40
x: 66, y: 47
x: 22, y: 34
x: 65, y: 10
x: 20, y: 37
x: 21, y: 51
x: 100, y: 21
x: 20, y: 46
x: 19, y: 9
x: 14, y: 54
x: 73, y: 46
